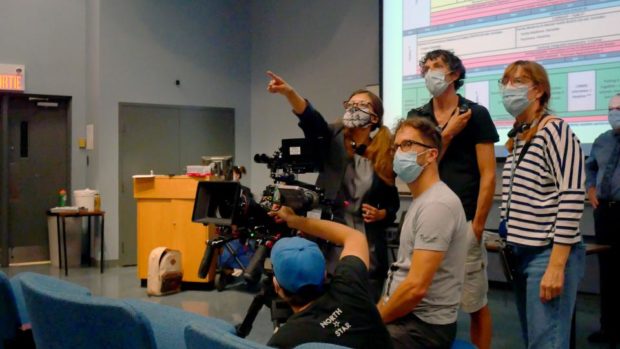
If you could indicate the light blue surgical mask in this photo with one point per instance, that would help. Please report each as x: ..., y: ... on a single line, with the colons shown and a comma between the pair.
x: 406, y: 165
x: 614, y: 119
x: 436, y: 82
x: 515, y: 99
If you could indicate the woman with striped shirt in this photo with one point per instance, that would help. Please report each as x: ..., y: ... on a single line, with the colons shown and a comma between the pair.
x: 543, y: 191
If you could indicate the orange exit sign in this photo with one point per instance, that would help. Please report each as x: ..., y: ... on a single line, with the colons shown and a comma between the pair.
x: 12, y: 77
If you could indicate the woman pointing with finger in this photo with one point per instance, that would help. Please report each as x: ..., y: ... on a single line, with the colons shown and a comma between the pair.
x: 357, y: 167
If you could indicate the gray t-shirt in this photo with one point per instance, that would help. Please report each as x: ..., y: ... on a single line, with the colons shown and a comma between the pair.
x: 435, y: 221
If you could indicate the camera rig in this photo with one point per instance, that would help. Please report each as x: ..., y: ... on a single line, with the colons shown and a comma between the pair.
x: 231, y: 207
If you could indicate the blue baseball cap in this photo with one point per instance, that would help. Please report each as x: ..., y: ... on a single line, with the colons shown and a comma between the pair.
x: 297, y: 262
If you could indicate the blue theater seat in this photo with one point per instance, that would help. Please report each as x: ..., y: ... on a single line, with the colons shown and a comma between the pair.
x: 199, y: 336
x: 62, y: 318
x: 9, y: 316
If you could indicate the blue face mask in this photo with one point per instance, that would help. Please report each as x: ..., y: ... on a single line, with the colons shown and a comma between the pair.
x: 614, y: 119
x: 406, y: 165
x: 515, y: 99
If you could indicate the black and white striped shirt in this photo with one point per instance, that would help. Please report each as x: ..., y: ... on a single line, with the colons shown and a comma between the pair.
x: 548, y: 189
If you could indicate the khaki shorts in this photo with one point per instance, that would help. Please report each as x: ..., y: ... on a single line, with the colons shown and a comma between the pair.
x: 476, y: 283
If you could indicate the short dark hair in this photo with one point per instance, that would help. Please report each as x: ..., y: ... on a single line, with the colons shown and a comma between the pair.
x: 304, y: 295
x: 427, y: 127
x: 453, y: 61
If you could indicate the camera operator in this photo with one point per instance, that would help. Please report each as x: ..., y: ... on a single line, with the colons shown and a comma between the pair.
x: 357, y: 169
x: 339, y: 312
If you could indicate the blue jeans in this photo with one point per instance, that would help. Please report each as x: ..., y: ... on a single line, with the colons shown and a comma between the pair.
x: 546, y: 325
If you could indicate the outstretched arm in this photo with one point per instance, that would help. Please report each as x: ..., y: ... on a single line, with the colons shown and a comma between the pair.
x: 278, y: 85
x: 354, y: 243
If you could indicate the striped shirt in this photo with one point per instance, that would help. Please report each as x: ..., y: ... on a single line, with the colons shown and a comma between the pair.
x: 548, y: 189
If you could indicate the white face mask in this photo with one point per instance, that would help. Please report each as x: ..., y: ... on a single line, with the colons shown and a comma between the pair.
x: 357, y: 117
x: 435, y: 81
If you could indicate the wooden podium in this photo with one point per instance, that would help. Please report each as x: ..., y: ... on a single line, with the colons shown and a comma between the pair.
x: 164, y: 218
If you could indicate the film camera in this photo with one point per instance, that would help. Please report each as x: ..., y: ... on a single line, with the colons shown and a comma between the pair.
x: 231, y: 207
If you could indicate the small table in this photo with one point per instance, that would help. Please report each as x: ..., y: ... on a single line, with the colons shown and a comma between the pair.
x: 60, y: 221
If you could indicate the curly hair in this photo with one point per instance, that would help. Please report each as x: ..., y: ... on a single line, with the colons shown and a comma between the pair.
x: 453, y: 61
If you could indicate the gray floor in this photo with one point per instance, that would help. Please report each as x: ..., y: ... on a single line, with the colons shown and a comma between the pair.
x: 231, y: 304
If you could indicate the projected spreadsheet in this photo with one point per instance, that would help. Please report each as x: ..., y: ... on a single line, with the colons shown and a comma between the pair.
x: 578, y: 42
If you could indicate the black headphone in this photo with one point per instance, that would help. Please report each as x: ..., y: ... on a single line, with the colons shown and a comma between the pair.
x: 359, y: 149
x: 518, y: 128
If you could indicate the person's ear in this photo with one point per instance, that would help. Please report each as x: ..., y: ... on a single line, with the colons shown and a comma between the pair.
x: 453, y: 76
x: 277, y: 287
x: 374, y: 119
x: 432, y: 155
x: 538, y: 92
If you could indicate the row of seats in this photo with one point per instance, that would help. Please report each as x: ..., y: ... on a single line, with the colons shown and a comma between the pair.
x: 65, y: 315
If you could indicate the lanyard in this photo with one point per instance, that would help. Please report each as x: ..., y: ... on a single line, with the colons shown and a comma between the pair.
x: 514, y: 164
x: 513, y: 169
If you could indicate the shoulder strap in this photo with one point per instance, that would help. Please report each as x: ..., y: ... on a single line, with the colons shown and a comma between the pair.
x: 545, y: 120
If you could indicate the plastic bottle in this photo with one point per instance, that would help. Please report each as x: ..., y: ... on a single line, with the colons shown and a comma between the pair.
x: 62, y: 198
x: 97, y: 202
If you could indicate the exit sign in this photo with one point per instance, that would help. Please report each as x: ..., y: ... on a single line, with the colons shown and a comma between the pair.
x: 12, y: 77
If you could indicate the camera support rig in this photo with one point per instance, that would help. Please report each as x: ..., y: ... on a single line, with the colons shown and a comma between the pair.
x: 227, y: 204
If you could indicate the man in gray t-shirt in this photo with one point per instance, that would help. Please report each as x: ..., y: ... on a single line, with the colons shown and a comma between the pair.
x: 423, y: 290
x: 435, y: 221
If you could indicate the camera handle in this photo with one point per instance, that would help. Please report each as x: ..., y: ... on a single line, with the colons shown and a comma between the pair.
x: 255, y: 267
x: 205, y: 264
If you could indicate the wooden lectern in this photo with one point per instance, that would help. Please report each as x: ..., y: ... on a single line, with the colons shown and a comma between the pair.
x: 164, y: 218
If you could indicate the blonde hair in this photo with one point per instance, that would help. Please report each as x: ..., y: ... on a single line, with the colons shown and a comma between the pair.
x: 539, y: 77
x: 427, y: 127
x: 380, y: 153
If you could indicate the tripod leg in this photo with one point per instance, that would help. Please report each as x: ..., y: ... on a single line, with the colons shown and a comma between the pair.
x: 205, y: 264
x: 280, y: 312
x: 245, y: 327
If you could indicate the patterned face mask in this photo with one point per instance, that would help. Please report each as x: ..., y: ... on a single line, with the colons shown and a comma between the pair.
x: 357, y: 117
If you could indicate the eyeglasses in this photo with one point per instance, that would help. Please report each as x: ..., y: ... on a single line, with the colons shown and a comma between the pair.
x: 359, y: 105
x: 521, y: 81
x: 407, y: 145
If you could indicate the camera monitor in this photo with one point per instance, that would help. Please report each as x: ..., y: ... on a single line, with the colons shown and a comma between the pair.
x: 216, y: 202
x: 300, y: 155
